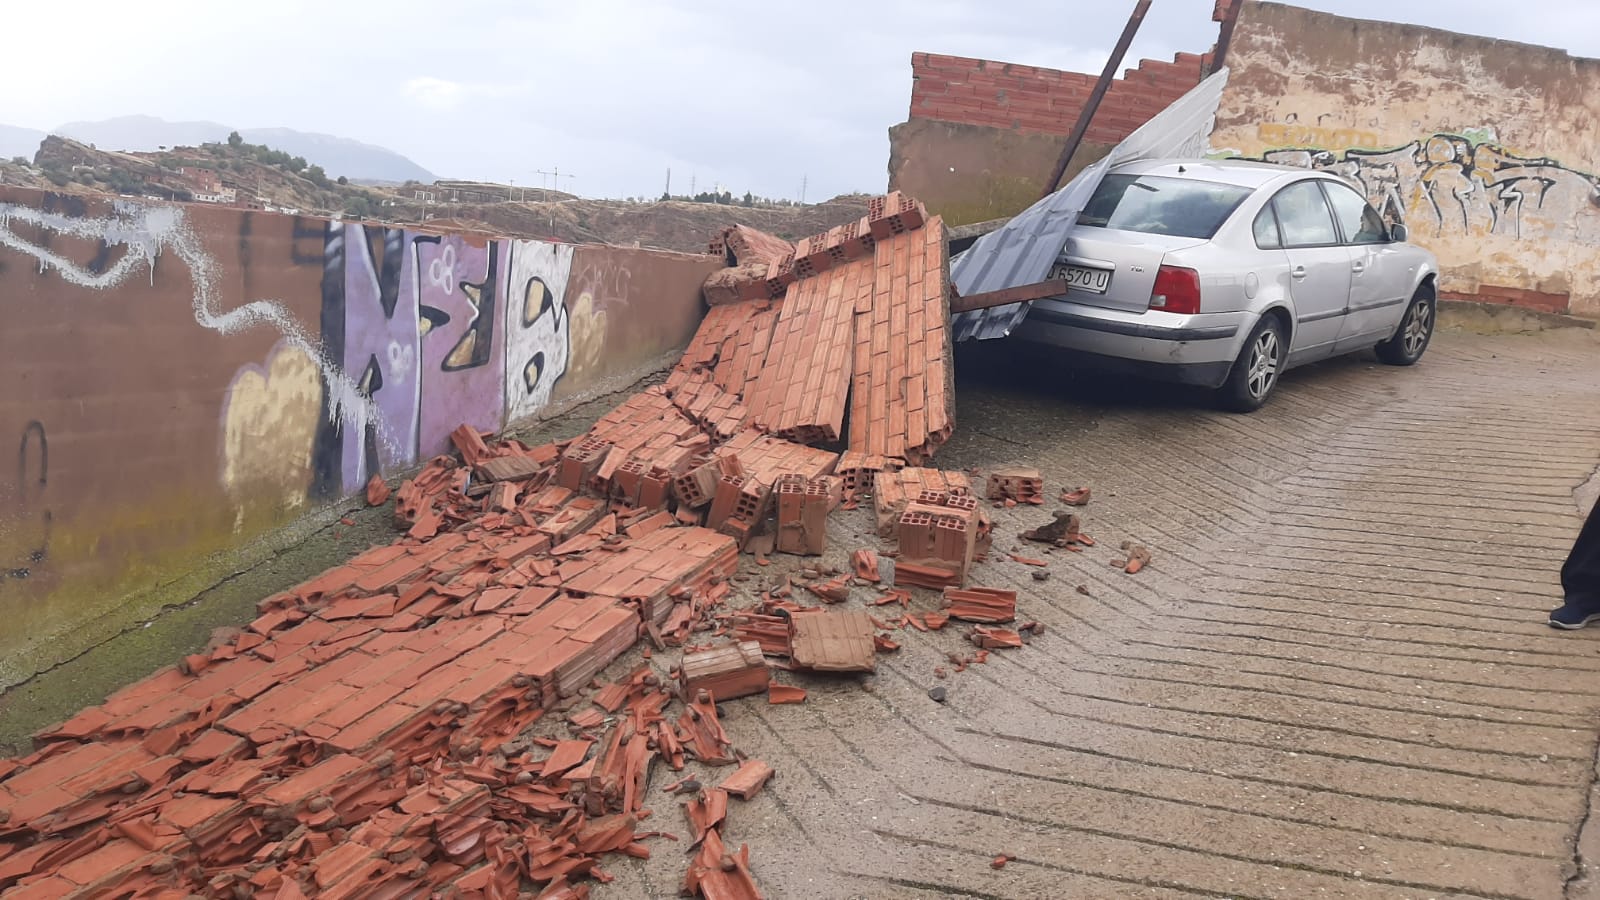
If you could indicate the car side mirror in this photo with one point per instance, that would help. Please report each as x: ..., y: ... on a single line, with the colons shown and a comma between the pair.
x: 1397, y: 233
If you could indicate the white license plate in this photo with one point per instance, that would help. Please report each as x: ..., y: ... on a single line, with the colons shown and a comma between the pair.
x: 1095, y: 281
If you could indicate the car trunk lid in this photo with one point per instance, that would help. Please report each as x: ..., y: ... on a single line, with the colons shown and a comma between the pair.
x: 1114, y: 269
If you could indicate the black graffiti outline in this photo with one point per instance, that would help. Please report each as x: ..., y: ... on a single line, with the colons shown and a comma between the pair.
x: 33, y: 433
x: 534, y: 370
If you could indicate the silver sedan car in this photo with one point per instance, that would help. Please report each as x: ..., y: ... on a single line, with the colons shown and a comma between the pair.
x: 1226, y: 273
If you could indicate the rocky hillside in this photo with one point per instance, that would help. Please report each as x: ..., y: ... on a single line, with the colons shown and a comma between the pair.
x: 259, y: 177
x: 671, y: 225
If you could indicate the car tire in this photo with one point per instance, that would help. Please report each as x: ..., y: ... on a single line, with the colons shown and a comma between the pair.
x: 1411, y: 337
x: 1255, y: 373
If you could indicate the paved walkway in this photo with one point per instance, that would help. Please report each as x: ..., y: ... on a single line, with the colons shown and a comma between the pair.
x: 1335, y: 680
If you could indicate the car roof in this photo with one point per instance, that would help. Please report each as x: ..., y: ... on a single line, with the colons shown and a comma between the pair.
x: 1242, y: 172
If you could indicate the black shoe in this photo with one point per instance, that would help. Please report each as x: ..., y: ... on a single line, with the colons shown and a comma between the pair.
x: 1574, y: 614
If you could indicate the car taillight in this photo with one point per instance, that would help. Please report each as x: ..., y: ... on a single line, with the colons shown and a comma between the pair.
x: 1177, y: 290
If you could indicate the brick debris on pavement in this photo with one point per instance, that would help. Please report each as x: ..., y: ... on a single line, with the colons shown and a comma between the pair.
x: 428, y: 720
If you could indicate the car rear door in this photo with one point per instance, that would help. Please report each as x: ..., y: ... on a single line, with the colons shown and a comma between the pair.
x: 1319, y: 268
x: 1380, y: 276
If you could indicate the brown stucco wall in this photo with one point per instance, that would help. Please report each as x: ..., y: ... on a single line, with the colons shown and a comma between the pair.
x: 174, y: 374
x: 1486, y: 149
x: 974, y: 173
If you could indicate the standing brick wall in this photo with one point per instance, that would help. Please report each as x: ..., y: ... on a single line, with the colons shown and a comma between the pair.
x: 982, y: 92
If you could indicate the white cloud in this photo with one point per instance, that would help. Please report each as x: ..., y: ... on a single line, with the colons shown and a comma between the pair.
x: 435, y: 93
x: 755, y: 96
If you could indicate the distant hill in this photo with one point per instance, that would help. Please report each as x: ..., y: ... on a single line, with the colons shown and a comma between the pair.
x: 341, y: 156
x: 337, y: 155
x: 16, y: 141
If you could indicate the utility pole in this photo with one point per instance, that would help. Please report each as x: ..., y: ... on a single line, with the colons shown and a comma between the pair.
x: 668, y: 192
x: 691, y: 187
x: 555, y: 176
x: 803, y: 190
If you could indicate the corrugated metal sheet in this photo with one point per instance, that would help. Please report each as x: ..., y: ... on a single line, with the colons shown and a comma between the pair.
x: 1021, y: 251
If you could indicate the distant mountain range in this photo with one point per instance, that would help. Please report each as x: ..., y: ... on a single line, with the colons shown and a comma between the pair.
x: 336, y: 155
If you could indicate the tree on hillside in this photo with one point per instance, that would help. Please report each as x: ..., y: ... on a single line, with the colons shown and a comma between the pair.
x: 343, y: 180
x: 317, y: 177
x: 234, y: 140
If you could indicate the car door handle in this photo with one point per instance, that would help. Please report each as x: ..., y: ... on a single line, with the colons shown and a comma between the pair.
x: 1358, y: 268
x: 1297, y: 272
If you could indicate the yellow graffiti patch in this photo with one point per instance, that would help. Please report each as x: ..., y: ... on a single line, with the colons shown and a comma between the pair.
x: 588, y: 334
x: 270, y: 423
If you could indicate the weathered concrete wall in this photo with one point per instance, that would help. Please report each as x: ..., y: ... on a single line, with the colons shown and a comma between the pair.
x: 974, y: 173
x: 1484, y: 148
x: 182, y: 381
x: 983, y: 136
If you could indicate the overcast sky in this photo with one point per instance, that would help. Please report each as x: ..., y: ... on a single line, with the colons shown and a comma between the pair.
x: 745, y: 94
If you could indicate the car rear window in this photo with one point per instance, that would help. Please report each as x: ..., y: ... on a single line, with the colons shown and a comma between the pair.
x: 1158, y: 204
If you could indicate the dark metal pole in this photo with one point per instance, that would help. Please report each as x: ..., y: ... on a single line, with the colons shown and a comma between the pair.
x: 1219, y: 54
x: 1112, y: 64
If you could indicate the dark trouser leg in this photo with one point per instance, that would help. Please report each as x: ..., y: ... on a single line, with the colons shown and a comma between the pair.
x: 1580, y: 577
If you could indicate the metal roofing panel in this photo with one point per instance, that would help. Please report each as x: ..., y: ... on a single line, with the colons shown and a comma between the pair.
x: 1022, y: 251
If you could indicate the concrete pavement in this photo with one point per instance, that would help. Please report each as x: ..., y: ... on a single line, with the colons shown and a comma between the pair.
x: 1335, y: 680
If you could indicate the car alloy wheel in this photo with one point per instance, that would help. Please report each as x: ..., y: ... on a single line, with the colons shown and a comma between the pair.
x: 1418, y: 326
x: 1263, y: 363
x: 1411, y: 337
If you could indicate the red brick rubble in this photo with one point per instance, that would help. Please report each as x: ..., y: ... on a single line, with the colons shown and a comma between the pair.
x: 366, y: 735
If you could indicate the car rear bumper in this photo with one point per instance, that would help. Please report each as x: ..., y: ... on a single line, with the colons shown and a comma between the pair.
x: 1188, y: 349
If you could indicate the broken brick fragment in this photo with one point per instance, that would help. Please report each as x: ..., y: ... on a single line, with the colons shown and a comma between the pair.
x: 747, y: 780
x: 865, y: 563
x: 995, y: 638
x: 1138, y: 557
x: 785, y: 693
x: 1017, y: 485
x: 377, y: 491
x: 831, y: 590
x: 981, y: 604
x: 728, y: 671
x: 833, y: 641
x: 1079, y: 497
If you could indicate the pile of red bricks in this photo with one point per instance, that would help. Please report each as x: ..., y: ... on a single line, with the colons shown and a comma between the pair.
x: 892, y: 490
x: 366, y: 734
x: 938, y: 535
x: 860, y: 318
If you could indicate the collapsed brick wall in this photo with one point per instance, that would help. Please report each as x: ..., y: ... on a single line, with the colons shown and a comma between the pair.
x: 183, y: 380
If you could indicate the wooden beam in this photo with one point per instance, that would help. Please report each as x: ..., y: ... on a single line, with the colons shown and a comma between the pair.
x: 1005, y: 296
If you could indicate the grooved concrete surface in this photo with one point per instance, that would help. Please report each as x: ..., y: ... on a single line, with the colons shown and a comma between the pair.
x: 1335, y: 681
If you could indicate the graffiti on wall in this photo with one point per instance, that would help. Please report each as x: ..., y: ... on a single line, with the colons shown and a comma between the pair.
x: 1465, y: 184
x: 413, y: 342
x: 269, y: 421
x: 27, y: 541
x: 438, y: 332
x: 537, y: 324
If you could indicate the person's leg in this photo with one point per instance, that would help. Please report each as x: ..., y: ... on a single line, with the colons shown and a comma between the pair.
x: 1580, y: 578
